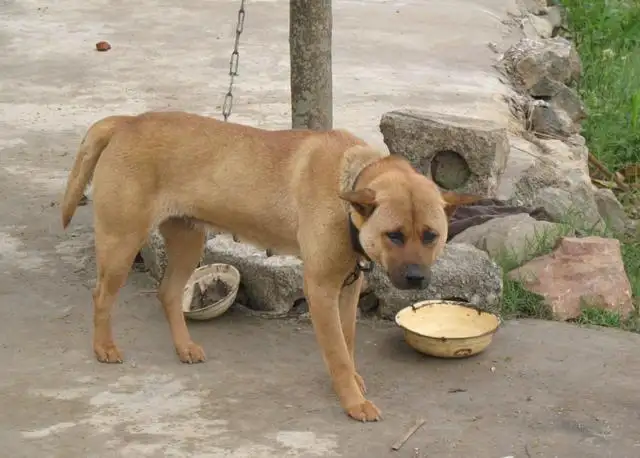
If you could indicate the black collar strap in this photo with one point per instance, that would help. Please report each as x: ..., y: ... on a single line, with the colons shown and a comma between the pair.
x: 357, y: 247
x: 354, y: 233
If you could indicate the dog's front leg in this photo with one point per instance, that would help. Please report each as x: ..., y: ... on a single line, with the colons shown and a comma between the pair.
x: 323, y: 297
x: 349, y: 297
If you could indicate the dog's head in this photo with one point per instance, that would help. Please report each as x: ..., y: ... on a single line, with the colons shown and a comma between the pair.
x: 402, y: 218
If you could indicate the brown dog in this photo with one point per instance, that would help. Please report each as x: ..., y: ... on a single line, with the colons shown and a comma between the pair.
x: 324, y: 196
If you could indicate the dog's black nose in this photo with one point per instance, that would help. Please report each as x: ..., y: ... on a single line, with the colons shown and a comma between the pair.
x: 414, y: 276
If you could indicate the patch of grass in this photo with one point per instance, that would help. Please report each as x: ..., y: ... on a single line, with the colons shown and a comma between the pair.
x: 591, y: 316
x: 599, y: 317
x: 517, y: 302
x: 607, y: 37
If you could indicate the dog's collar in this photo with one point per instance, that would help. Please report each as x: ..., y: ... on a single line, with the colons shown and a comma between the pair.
x: 360, y: 266
x: 354, y: 235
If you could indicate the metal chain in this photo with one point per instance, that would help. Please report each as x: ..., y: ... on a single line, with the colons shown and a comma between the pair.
x: 233, y: 63
x: 233, y: 72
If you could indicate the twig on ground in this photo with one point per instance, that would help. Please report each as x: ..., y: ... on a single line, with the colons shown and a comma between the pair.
x: 400, y: 442
x: 147, y: 291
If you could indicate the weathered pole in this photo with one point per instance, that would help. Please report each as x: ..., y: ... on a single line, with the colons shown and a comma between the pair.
x: 310, y: 24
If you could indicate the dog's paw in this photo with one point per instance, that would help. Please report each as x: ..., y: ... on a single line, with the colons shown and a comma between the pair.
x: 366, y: 411
x: 361, y: 385
x: 191, y: 353
x: 107, y: 353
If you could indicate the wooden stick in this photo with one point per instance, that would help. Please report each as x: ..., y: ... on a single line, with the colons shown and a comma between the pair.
x: 400, y: 442
x: 147, y: 291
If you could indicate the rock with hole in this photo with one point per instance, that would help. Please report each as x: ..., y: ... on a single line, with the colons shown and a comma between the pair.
x: 459, y: 153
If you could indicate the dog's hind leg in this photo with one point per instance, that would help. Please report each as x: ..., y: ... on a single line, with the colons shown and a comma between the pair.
x: 184, y: 243
x: 114, y: 256
x: 349, y: 297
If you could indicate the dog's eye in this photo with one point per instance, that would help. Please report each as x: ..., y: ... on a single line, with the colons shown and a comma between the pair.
x: 396, y: 237
x: 429, y: 237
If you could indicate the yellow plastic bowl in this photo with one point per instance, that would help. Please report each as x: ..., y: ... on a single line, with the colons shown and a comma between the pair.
x: 447, y: 329
x: 206, y: 275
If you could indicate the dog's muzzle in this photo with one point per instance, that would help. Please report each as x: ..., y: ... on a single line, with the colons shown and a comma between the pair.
x: 412, y: 276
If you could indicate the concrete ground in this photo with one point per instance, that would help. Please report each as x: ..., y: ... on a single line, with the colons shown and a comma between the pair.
x: 542, y: 389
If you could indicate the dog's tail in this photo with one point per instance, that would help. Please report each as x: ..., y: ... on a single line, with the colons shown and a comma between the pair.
x: 94, y: 142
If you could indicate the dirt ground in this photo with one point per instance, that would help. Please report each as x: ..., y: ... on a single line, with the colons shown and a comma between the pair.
x: 541, y: 390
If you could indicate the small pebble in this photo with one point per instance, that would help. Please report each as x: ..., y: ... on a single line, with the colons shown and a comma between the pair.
x: 103, y: 46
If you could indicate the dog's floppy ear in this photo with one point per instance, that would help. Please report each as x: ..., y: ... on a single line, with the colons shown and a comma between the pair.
x: 363, y: 200
x: 453, y: 200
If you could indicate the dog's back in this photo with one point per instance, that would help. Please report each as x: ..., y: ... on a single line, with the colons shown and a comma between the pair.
x: 236, y: 178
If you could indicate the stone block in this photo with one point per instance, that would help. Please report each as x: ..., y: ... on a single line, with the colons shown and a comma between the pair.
x: 272, y: 284
x: 463, y: 272
x: 458, y: 153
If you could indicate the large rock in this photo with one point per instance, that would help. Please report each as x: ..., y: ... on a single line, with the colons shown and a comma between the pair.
x: 552, y: 174
x: 462, y: 272
x: 513, y: 238
x: 272, y: 284
x: 459, y: 153
x: 531, y: 60
x: 581, y: 272
x: 578, y: 208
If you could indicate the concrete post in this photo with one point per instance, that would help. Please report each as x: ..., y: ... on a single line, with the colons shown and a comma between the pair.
x: 310, y: 24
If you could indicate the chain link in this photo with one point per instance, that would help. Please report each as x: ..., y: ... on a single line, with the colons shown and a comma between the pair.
x: 233, y: 63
